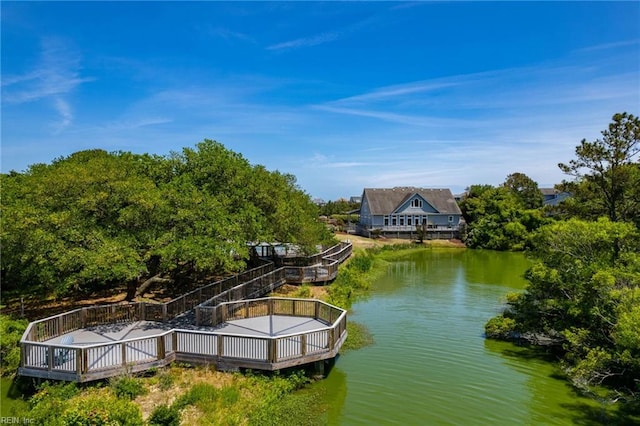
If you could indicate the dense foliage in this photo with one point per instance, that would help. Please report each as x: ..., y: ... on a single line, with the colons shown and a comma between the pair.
x: 338, y: 207
x: 11, y: 331
x: 502, y: 218
x: 96, y: 219
x: 584, y: 286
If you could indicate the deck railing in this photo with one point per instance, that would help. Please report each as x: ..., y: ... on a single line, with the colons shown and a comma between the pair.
x: 323, y: 269
x: 213, y: 315
x: 57, y: 325
x: 96, y: 361
x: 59, y: 361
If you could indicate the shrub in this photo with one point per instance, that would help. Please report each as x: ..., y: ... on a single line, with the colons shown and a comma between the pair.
x: 198, y: 392
x: 163, y: 415
x: 50, y: 401
x: 165, y: 380
x: 96, y: 408
x: 11, y: 331
x: 500, y: 327
x: 127, y: 387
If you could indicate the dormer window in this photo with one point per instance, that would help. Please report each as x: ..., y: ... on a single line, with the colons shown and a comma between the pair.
x: 416, y: 202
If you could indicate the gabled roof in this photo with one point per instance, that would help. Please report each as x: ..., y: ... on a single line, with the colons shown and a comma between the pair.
x: 385, y: 200
x: 549, y: 191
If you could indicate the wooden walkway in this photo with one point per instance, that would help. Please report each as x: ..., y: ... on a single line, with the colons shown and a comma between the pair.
x: 222, y: 323
x: 265, y: 342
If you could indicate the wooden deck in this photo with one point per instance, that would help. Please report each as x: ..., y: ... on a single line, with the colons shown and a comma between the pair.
x: 265, y: 342
x: 222, y: 323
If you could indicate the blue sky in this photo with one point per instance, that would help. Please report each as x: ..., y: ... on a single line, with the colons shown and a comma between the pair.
x: 343, y: 95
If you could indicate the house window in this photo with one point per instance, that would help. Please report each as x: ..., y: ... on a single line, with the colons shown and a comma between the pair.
x: 401, y: 220
x: 450, y: 219
x: 386, y: 221
x: 416, y: 203
x: 393, y: 220
x: 409, y: 221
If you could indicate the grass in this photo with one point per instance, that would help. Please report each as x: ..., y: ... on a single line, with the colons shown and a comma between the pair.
x: 12, y: 403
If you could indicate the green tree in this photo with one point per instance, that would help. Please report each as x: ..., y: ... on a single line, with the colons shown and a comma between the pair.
x: 96, y: 219
x: 497, y: 219
x: 583, y: 289
x: 526, y: 189
x: 607, y: 173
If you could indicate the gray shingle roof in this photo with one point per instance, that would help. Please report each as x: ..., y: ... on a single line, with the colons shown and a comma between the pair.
x: 385, y: 200
x: 548, y: 191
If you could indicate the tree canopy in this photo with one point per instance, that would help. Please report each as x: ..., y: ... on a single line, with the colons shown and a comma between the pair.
x: 96, y: 219
x: 501, y: 218
x: 584, y: 285
x: 584, y: 289
x: 607, y: 173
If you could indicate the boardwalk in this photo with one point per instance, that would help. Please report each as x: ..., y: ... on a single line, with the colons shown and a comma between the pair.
x: 221, y: 323
x: 251, y: 340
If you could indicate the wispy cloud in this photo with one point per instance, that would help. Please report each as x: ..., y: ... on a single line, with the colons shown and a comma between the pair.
x: 305, y: 41
x: 66, y: 116
x: 333, y: 35
x: 607, y: 46
x: 56, y: 73
x: 403, y: 89
x: 225, y: 33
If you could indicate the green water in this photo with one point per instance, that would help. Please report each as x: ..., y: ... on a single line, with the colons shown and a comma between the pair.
x: 430, y: 364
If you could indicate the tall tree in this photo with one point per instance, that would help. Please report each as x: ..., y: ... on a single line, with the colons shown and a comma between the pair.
x: 526, y: 189
x: 607, y: 172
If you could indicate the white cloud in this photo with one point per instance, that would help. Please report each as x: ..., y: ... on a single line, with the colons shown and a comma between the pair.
x: 66, y: 116
x: 305, y: 41
x: 56, y: 73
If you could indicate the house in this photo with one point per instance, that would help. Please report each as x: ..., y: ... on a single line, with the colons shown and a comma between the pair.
x: 355, y: 199
x: 397, y: 211
x: 553, y: 197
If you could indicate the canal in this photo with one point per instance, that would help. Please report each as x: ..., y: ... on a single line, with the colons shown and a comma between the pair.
x: 431, y: 365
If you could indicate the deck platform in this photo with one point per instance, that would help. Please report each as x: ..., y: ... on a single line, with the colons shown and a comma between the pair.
x: 263, y: 334
x: 269, y: 326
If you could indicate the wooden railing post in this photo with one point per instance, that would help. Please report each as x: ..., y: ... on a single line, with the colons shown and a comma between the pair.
x: 303, y: 345
x: 316, y: 309
x: 174, y: 341
x: 220, y: 343
x: 79, y: 362
x: 164, y: 312
x: 83, y: 317
x: 50, y: 353
x: 271, y: 352
x: 23, y: 354
x: 160, y: 344
x: 332, y: 342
